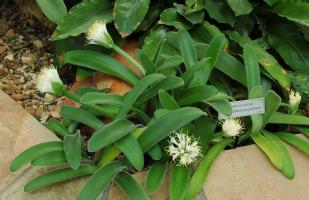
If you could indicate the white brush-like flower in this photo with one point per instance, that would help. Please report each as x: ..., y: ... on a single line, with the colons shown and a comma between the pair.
x: 48, y: 80
x: 183, y: 149
x: 98, y: 34
x: 294, y: 98
x: 232, y: 127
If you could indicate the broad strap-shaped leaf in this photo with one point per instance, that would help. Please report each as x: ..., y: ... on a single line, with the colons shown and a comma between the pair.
x: 294, y: 140
x: 110, y: 133
x: 131, y: 97
x: 146, y: 61
x: 269, y: 149
x: 171, y: 17
x: 179, y: 181
x: 35, y: 152
x: 128, y: 14
x: 283, y: 118
x: 272, y: 102
x: 54, y: 10
x: 303, y: 129
x: 257, y: 120
x: 102, y: 63
x: 101, y: 98
x: 100, y: 180
x: 130, y: 187
x: 169, y: 83
x: 222, y: 106
x: 48, y: 159
x: 167, y: 101
x: 155, y: 152
x: 197, y: 94
x: 163, y: 126
x: 187, y: 48
x: 252, y: 68
x: 201, y: 72
x: 81, y: 16
x: 287, y: 164
x: 220, y: 11
x: 132, y: 150
x: 81, y: 115
x: 155, y: 177
x: 200, y: 174
x: 73, y: 148
x: 58, y: 176
x: 167, y: 62
x: 57, y: 127
x: 240, y: 7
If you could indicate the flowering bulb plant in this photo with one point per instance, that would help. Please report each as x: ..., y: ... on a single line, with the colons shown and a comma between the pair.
x: 190, y: 71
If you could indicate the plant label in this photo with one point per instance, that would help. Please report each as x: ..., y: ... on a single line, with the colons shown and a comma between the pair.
x: 246, y: 108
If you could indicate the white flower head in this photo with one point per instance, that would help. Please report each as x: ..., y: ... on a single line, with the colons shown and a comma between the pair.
x: 232, y: 127
x: 183, y: 148
x: 46, y: 78
x: 294, y: 97
x: 98, y: 34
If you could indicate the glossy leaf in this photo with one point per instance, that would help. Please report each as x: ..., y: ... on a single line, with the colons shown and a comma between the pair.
x: 136, y: 91
x: 35, y: 152
x: 163, y: 126
x: 130, y: 187
x: 252, y: 68
x: 179, y: 181
x: 282, y: 118
x: 48, y: 159
x: 287, y: 164
x: 200, y: 74
x: 197, y: 94
x: 220, y: 11
x: 146, y: 61
x: 132, y: 150
x: 101, y: 98
x: 167, y: 62
x: 272, y: 102
x: 54, y: 10
x: 81, y: 16
x: 167, y: 101
x: 294, y: 140
x: 57, y: 127
x: 303, y: 129
x: 128, y: 14
x: 155, y: 177
x: 155, y: 152
x: 81, y: 115
x: 110, y: 133
x: 200, y: 174
x: 222, y: 106
x: 170, y: 17
x: 73, y: 148
x: 102, y: 63
x: 240, y: 7
x: 58, y: 176
x: 187, y: 48
x: 100, y: 180
x: 269, y: 149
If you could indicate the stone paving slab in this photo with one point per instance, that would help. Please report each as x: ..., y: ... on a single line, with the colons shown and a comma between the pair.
x: 239, y: 174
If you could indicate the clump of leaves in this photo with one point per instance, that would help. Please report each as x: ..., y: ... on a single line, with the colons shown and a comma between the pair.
x: 196, y: 57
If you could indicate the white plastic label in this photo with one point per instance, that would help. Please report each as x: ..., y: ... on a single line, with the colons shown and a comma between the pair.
x: 246, y: 108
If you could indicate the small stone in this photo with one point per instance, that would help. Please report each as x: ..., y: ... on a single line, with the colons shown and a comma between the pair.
x: 27, y: 60
x: 2, y: 72
x: 30, y: 110
x: 17, y: 97
x: 9, y: 56
x: 22, y: 80
x: 48, y: 98
x: 39, y: 111
x: 38, y: 43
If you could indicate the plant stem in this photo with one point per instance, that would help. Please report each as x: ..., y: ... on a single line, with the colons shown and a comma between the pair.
x: 129, y: 58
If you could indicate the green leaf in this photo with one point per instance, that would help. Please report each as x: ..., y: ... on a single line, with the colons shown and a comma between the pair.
x: 257, y: 120
x: 222, y: 106
x: 155, y: 152
x: 220, y: 11
x: 34, y: 152
x: 110, y: 133
x: 163, y: 126
x: 130, y: 187
x: 100, y: 180
x: 168, y: 83
x: 304, y: 130
x: 215, y: 47
x: 291, y: 45
x: 81, y: 115
x: 167, y: 101
x: 132, y: 150
x: 269, y: 149
x: 102, y: 63
x: 136, y: 91
x: 199, y: 177
x: 146, y: 61
x: 57, y: 127
x: 201, y: 72
x: 272, y: 102
x: 73, y: 148
x: 294, y: 140
x: 240, y: 7
x: 187, y: 48
x: 295, y: 11
x: 101, y: 98
x: 287, y: 164
x: 128, y: 14
x: 81, y: 16
x: 54, y: 10
x: 170, y: 17
x: 167, y: 62
x: 197, y: 94
x: 178, y: 182
x: 155, y: 177
x: 252, y: 68
x: 282, y: 118
x: 48, y: 159
x: 58, y: 176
